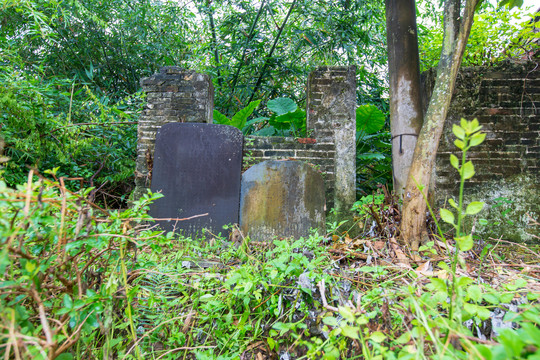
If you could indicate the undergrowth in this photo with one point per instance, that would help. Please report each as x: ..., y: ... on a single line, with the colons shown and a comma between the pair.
x: 81, y: 283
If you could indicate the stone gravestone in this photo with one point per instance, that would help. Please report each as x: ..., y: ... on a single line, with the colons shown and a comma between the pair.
x: 281, y: 198
x: 197, y: 167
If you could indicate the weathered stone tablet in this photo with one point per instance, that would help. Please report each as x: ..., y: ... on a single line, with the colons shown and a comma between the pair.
x: 197, y: 167
x: 281, y: 199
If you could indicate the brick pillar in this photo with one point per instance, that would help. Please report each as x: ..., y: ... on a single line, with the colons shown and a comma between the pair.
x: 172, y: 95
x: 331, y: 116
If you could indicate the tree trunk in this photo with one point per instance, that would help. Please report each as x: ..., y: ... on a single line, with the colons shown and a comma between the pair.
x: 456, y: 33
x: 405, y: 95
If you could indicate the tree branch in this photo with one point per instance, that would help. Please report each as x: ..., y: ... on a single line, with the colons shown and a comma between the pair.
x: 267, y: 62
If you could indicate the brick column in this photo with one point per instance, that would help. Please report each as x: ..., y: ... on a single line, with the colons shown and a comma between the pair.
x: 331, y: 116
x: 172, y: 95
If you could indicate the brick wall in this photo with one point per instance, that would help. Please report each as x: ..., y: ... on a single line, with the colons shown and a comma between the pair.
x: 506, y: 101
x: 178, y: 95
x: 172, y: 95
x: 331, y: 119
x: 319, y: 154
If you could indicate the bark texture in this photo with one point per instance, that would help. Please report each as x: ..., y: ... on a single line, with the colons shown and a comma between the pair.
x: 405, y: 94
x: 457, y: 27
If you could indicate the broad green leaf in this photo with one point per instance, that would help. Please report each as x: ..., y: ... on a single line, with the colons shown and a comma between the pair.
x: 474, y: 208
x: 30, y: 266
x: 454, y: 161
x: 483, y: 313
x: 471, y: 308
x: 330, y: 320
x: 459, y: 132
x: 465, y: 243
x: 369, y: 119
x: 240, y: 118
x: 378, y: 337
x: 68, y: 302
x: 439, y: 285
x: 265, y: 131
x: 477, y: 139
x: 64, y: 356
x: 459, y: 144
x: 404, y: 338
x: 492, y: 298
x: 447, y: 216
x: 511, y: 3
x: 370, y: 156
x: 350, y: 332
x: 346, y: 313
x: 475, y: 293
x: 219, y: 118
x: 452, y: 203
x: 467, y: 170
x: 464, y: 281
x: 271, y: 343
x: 281, y: 105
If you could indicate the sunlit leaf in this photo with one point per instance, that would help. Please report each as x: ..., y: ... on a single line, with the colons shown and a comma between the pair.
x: 465, y: 243
x: 454, y: 161
x: 474, y: 208
x: 458, y: 131
x: 467, y: 170
x: 282, y: 105
x: 447, y: 216
x: 369, y: 119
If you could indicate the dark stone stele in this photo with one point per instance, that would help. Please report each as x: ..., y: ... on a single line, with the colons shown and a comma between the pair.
x: 281, y: 199
x: 197, y: 167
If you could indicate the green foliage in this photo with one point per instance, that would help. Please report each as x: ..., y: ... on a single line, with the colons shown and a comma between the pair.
x: 468, y: 135
x: 373, y: 150
x: 104, y: 285
x: 239, y: 119
x: 64, y: 266
x: 285, y: 119
x: 497, y: 33
x: 369, y: 120
x: 60, y: 123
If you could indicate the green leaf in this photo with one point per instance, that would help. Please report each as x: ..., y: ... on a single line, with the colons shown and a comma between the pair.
x: 346, y: 313
x: 467, y: 171
x: 464, y: 281
x: 265, y: 131
x: 447, y: 216
x: 483, y: 313
x: 271, y: 343
x: 454, y: 161
x: 404, y: 338
x: 459, y: 132
x: 477, y: 139
x: 511, y: 3
x: 64, y: 356
x: 369, y: 119
x: 350, y: 332
x: 460, y: 144
x: 378, y: 337
x: 492, y: 298
x: 68, y: 302
x: 330, y: 320
x: 281, y: 105
x: 439, y: 285
x: 471, y: 308
x: 30, y: 266
x: 452, y: 203
x: 475, y: 293
x: 474, y: 208
x: 465, y: 243
x: 240, y: 118
x: 220, y: 118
